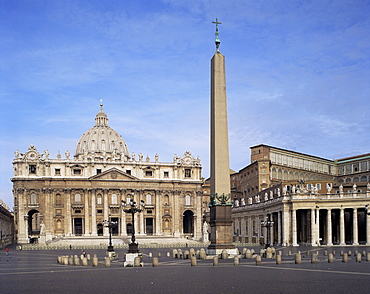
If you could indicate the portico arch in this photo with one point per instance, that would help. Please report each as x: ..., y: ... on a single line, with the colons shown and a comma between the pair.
x: 188, y: 222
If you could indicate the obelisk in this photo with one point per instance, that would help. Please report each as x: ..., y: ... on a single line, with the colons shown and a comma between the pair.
x: 221, y: 203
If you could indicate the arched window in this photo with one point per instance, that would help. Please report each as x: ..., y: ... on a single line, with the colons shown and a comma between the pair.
x: 114, y: 198
x: 187, y: 200
x: 77, y: 198
x: 148, y: 199
x: 103, y: 147
x: 33, y: 198
x: 99, y: 199
x: 166, y: 200
x: 58, y: 199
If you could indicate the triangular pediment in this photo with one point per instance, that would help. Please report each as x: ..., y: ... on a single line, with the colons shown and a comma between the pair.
x: 113, y: 174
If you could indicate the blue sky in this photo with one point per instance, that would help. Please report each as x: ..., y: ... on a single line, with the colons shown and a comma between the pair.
x: 298, y: 76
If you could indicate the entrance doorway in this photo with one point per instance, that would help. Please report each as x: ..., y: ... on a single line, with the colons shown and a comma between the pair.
x: 114, y: 227
x: 188, y: 222
x: 149, y: 226
x: 129, y: 229
x: 33, y: 222
x: 100, y: 229
x: 77, y: 225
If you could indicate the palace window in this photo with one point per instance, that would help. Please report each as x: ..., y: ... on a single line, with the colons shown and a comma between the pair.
x: 98, y: 171
x: 148, y: 173
x: 166, y: 174
x: 128, y: 171
x: 148, y: 199
x: 57, y: 171
x: 99, y: 200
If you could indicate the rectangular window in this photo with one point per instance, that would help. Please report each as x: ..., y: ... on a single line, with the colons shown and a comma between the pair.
x: 100, y: 211
x: 77, y: 171
x: 32, y: 169
x: 57, y: 171
x: 99, y: 200
x: 77, y: 210
x: 98, y: 171
x: 128, y: 171
x: 148, y: 173
x: 166, y: 174
x: 77, y: 198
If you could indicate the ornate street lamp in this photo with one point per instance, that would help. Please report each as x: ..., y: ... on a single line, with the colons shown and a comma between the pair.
x: 267, y: 224
x: 132, y: 208
x: 110, y: 225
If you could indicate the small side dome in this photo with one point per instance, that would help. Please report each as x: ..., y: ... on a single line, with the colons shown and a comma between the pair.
x: 102, y: 141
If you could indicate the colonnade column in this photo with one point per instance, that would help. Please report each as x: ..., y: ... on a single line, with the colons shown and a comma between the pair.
x: 355, y: 227
x: 22, y: 217
x: 272, y: 229
x: 313, y: 228
x: 93, y: 213
x: 68, y: 225
x: 141, y: 214
x: 157, y: 213
x: 198, y: 229
x: 87, y: 195
x: 294, y: 227
x: 123, y: 214
x: 249, y: 232
x: 279, y: 227
x: 367, y: 228
x: 176, y: 213
x: 286, y: 225
x: 329, y: 228
x: 106, y: 212
x: 342, y: 231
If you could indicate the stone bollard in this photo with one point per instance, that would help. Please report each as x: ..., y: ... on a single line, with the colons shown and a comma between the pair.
x: 330, y: 258
x: 244, y: 250
x: 298, y: 258
x: 258, y: 259
x: 224, y: 254
x: 186, y: 254
x: 70, y: 260
x: 325, y: 253
x: 65, y: 260
x: 248, y: 254
x: 180, y: 255
x: 107, y: 261
x: 314, y: 258
x: 358, y: 257
x: 59, y: 259
x: 84, y: 261
x: 349, y: 252
x: 137, y: 261
x: 263, y: 252
x: 95, y: 261
x: 334, y: 252
x: 236, y: 260
x: 155, y: 261
x: 368, y: 256
x: 308, y: 253
x: 202, y: 254
x: 192, y: 252
x: 345, y: 257
x: 76, y: 260
x: 175, y: 253
x: 88, y: 257
x: 150, y: 254
x: 364, y: 253
x: 159, y: 254
x: 273, y: 251
x: 289, y: 253
x: 193, y: 261
x: 278, y: 259
x: 281, y: 253
x: 341, y: 253
x: 168, y: 254
x: 215, y: 260
x: 268, y: 253
x: 81, y: 257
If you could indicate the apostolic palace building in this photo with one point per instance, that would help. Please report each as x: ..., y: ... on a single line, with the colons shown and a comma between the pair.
x: 77, y: 195
x: 288, y: 198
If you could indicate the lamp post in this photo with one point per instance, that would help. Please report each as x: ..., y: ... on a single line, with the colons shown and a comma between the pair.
x: 110, y: 225
x: 132, y: 208
x: 267, y: 224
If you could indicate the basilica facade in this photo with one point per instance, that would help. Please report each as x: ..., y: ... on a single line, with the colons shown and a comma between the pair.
x: 78, y: 195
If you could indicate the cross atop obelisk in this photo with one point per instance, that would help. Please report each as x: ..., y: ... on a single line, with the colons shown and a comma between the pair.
x: 217, y: 41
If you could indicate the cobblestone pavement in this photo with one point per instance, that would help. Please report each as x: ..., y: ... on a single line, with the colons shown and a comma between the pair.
x: 39, y: 272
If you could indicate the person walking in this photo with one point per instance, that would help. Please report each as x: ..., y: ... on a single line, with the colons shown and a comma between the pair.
x: 6, y: 251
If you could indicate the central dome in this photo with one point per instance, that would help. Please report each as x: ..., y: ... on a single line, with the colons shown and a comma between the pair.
x: 102, y: 141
